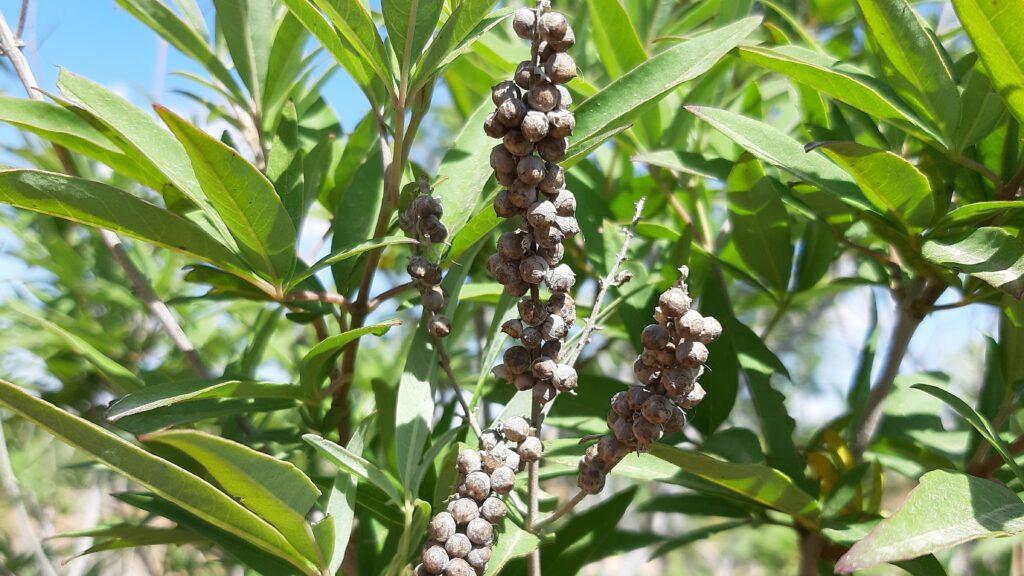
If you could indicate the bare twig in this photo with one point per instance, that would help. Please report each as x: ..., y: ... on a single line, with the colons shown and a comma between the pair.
x: 388, y: 294
x: 994, y: 462
x: 562, y: 511
x: 311, y: 296
x: 9, y: 486
x: 1011, y: 188
x: 605, y: 283
x: 446, y: 364
x: 140, y: 285
x: 22, y: 18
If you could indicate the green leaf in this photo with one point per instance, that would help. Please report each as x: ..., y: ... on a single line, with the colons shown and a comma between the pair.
x: 355, y: 217
x: 778, y: 149
x: 512, y: 542
x: 695, y: 535
x: 142, y: 139
x: 981, y: 110
x: 318, y: 362
x: 583, y: 535
x: 761, y: 484
x: 162, y: 477
x: 285, y: 166
x: 122, y: 378
x: 467, y: 22
x: 993, y: 28
x: 892, y: 184
x: 944, y: 510
x: 275, y: 490
x: 355, y: 25
x: 68, y: 129
x: 913, y: 61
x: 465, y: 172
x: 614, y: 106
x: 860, y: 386
x: 177, y: 415
x: 244, y: 198
x: 341, y: 502
x: 695, y: 504
x: 247, y: 26
x: 410, y: 24
x: 760, y: 223
x: 357, y: 465
x: 343, y: 253
x: 990, y: 254
x: 979, y: 422
x: 976, y: 213
x: 159, y: 396
x: 687, y: 163
x: 618, y: 44
x: 183, y: 36
x: 840, y: 81
x: 102, y: 206
x: 130, y: 536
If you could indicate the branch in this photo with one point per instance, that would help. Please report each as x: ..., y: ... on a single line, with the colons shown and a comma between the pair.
x: 565, y: 509
x: 388, y: 294
x: 311, y: 296
x: 604, y: 284
x: 446, y: 365
x: 994, y: 462
x: 140, y: 285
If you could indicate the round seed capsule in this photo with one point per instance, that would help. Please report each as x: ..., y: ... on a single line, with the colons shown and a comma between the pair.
x: 435, y: 559
x: 694, y: 397
x: 459, y: 567
x: 493, y: 127
x: 493, y: 510
x: 478, y: 485
x: 561, y: 123
x: 523, y: 23
x: 522, y: 195
x: 502, y: 159
x: 433, y: 299
x: 543, y: 369
x: 710, y: 330
x: 560, y: 68
x: 467, y: 462
x: 440, y: 326
x: 524, y: 71
x: 533, y: 269
x: 541, y: 213
x: 677, y: 422
x: 503, y: 479
x: 543, y: 393
x: 691, y: 354
x: 479, y: 531
x: 463, y: 510
x: 530, y: 170
x: 645, y: 374
x: 535, y: 126
x: 502, y: 91
x: 478, y: 558
x: 516, y: 143
x: 458, y: 546
x: 568, y: 41
x: 517, y: 359
x: 674, y: 302
x: 655, y: 337
x: 524, y: 381
x: 561, y: 278
x: 590, y: 479
x: 565, y: 378
x: 543, y: 97
x: 530, y: 449
x: 554, y: 179
x: 516, y: 428
x: 511, y: 112
x: 564, y: 203
x: 553, y: 26
x: 657, y: 409
x: 552, y: 149
x: 442, y: 526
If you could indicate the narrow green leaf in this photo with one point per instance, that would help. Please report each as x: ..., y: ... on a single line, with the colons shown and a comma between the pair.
x: 860, y: 386
x: 285, y: 166
x: 168, y: 394
x: 465, y: 171
x: 991, y: 254
x: 138, y: 536
x: 695, y: 535
x: 512, y: 542
x: 993, y: 28
x: 162, y: 477
x: 275, y: 490
x: 357, y: 465
x: 343, y: 253
x: 760, y: 223
x: 317, y: 363
x: 122, y: 378
x: 979, y: 422
x: 981, y: 110
x: 355, y: 25
x: 754, y: 481
x: 913, y: 61
x: 687, y: 163
x: 468, y: 21
x: 243, y: 197
x: 102, y: 206
x: 410, y: 24
x: 975, y: 213
x: 618, y: 44
x: 355, y: 217
x: 319, y: 26
x: 944, y: 510
x: 841, y: 81
x: 778, y: 149
x: 695, y: 504
x: 341, y: 501
x: 892, y: 184
x: 247, y: 26
x: 584, y: 534
x: 617, y: 103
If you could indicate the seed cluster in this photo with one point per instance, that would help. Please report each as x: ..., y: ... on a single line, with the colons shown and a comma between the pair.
x: 422, y: 220
x: 675, y: 350
x: 461, y: 538
x: 534, y: 123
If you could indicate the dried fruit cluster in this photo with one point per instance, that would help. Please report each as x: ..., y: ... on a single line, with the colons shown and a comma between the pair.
x: 422, y: 220
x: 668, y: 369
x: 534, y: 122
x: 461, y: 538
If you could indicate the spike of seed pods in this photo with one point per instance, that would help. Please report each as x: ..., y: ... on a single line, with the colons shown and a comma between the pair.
x: 667, y: 370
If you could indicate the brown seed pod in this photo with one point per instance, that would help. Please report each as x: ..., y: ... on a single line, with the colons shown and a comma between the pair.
x: 512, y: 460
x: 620, y: 404
x: 677, y: 381
x: 677, y: 422
x: 517, y: 359
x: 553, y: 26
x: 645, y: 374
x: 560, y: 68
x: 418, y: 267
x: 552, y: 149
x: 691, y: 354
x: 552, y: 255
x: 502, y: 91
x: 516, y: 428
x: 502, y: 159
x: 655, y: 337
x: 548, y: 236
x: 543, y: 369
x: 646, y: 432
x: 564, y: 97
x: 511, y: 112
x: 541, y: 213
x: 690, y: 325
x: 543, y: 393
x: 568, y: 41
x: 636, y: 396
x: 532, y: 338
x: 674, y: 302
x: 478, y: 558
x: 554, y: 179
x: 590, y: 479
x: 468, y: 461
x: 513, y: 327
x: 522, y: 195
x: 501, y: 373
x: 693, y: 397
x: 493, y: 510
x: 532, y: 312
x: 440, y: 326
x: 530, y: 449
x: 523, y: 22
x: 517, y: 289
x: 442, y: 526
x: 516, y: 143
x: 564, y: 203
x: 551, y: 349
x: 480, y: 531
x: 513, y: 245
x: 562, y: 304
x: 561, y: 278
x: 623, y: 430
x: 435, y: 559
x: 459, y: 567
x: 503, y: 479
x: 524, y: 381
x: 535, y: 126
x: 567, y: 225
x: 657, y: 409
x: 530, y: 170
x: 463, y: 510
x: 710, y: 330
x: 543, y: 97
x: 505, y: 177
x: 610, y: 450
x: 524, y: 71
x: 565, y: 378
x: 493, y: 127
x: 478, y: 486
x: 433, y: 299
x: 458, y: 545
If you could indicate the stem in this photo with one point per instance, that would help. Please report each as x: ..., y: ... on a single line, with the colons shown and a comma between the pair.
x: 9, y: 486
x: 446, y: 365
x: 140, y: 285
x: 388, y: 294
x: 811, y: 546
x: 311, y: 296
x: 994, y: 462
x: 910, y: 314
x: 565, y: 509
x: 979, y: 168
x: 780, y: 311
x: 604, y: 284
x: 1011, y: 188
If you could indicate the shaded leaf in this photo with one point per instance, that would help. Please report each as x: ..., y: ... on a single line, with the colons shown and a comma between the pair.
x: 760, y: 223
x: 992, y: 26
x: 170, y: 393
x: 318, y: 362
x: 991, y: 254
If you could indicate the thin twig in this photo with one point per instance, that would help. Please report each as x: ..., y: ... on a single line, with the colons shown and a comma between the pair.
x: 140, y: 285
x: 446, y: 365
x: 605, y: 283
x: 979, y: 168
x: 388, y: 294
x: 565, y: 509
x: 1011, y: 188
x: 994, y: 462
x: 312, y: 296
x: 22, y: 18
x: 9, y: 487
